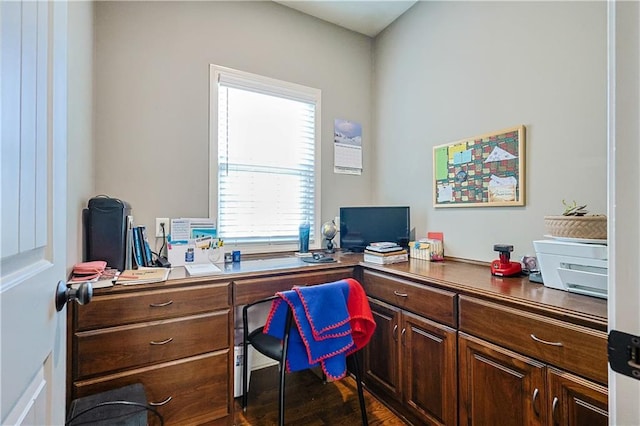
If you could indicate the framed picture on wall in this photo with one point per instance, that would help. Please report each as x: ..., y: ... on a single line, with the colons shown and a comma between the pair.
x: 481, y: 171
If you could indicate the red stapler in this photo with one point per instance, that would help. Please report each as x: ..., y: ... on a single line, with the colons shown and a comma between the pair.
x: 503, y: 267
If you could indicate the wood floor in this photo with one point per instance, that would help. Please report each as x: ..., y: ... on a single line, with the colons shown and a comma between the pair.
x: 309, y: 401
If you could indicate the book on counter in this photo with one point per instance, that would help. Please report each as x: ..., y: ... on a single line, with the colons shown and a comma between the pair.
x: 386, y: 258
x: 142, y: 276
x: 400, y: 250
x: 146, y: 247
x: 136, y: 247
x: 383, y: 244
x: 383, y: 247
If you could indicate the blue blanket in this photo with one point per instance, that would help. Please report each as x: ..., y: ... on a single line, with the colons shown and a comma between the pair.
x: 323, y: 333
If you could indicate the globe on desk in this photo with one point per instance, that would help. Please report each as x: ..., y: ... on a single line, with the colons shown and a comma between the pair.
x: 329, y: 231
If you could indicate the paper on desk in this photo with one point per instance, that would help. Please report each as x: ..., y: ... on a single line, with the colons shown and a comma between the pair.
x: 143, y: 276
x: 202, y: 269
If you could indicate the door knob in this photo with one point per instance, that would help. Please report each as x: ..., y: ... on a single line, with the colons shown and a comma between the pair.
x: 65, y: 294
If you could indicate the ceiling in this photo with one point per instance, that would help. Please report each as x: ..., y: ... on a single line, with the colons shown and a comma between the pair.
x: 362, y: 16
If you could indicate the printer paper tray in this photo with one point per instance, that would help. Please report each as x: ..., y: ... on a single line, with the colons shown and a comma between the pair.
x: 583, y: 282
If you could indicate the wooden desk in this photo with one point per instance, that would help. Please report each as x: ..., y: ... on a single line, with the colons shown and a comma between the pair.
x: 455, y: 345
x: 177, y: 336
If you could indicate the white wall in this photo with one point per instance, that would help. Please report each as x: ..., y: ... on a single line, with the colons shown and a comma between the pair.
x: 443, y: 72
x: 152, y: 94
x: 80, y: 149
x: 446, y: 71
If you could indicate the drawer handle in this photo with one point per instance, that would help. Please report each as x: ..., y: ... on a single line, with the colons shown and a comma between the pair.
x: 160, y: 305
x: 536, y: 409
x: 397, y: 293
x: 554, y: 410
x: 158, y: 404
x: 164, y: 342
x: 537, y: 339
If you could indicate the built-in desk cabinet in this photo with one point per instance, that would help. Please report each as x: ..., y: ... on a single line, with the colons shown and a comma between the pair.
x: 411, y: 359
x: 537, y: 393
x: 446, y: 352
x: 525, y: 359
x: 440, y: 356
x: 247, y: 290
x: 174, y: 340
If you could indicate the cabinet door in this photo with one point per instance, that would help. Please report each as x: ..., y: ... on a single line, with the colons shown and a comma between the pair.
x: 499, y: 387
x: 381, y: 355
x: 429, y: 370
x: 575, y: 401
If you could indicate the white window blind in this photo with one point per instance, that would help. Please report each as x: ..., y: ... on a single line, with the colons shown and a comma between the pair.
x: 266, y: 160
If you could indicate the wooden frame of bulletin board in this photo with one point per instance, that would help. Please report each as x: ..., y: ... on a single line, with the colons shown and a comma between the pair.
x: 483, y: 171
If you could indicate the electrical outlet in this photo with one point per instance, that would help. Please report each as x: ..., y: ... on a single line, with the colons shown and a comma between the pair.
x: 159, y: 222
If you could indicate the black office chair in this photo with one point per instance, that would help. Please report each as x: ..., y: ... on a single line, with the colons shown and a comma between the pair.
x: 277, y: 349
x: 125, y: 406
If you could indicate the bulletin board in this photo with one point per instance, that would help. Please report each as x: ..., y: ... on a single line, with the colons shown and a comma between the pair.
x: 483, y: 171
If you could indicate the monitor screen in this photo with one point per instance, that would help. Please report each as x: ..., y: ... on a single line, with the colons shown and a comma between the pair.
x: 360, y: 226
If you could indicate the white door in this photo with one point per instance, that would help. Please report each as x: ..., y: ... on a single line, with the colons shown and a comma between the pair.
x: 624, y: 196
x: 32, y: 255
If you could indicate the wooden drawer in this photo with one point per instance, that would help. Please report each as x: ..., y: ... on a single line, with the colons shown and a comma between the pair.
x: 117, y: 348
x: 126, y: 308
x: 193, y: 390
x: 574, y: 348
x: 438, y: 305
x: 249, y: 290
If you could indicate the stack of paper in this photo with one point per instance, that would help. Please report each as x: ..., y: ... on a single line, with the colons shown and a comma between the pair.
x: 385, y: 253
x: 202, y: 269
x: 383, y: 247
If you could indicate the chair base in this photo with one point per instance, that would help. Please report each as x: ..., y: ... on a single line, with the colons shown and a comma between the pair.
x: 306, y: 394
x: 278, y: 349
x: 122, y: 415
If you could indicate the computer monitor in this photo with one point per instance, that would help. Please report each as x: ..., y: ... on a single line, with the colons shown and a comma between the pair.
x: 360, y: 226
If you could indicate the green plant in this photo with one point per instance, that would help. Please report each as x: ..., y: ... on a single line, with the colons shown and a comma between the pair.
x: 574, y: 209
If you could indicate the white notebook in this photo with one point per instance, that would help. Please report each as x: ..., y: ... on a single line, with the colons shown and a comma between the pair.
x: 201, y: 269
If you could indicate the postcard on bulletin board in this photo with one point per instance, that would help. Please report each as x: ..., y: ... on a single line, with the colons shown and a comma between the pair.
x: 482, y: 171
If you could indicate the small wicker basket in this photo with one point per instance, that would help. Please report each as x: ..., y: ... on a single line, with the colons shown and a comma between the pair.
x: 583, y: 227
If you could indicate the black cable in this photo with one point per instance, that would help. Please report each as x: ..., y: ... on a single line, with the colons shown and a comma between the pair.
x: 164, y: 239
x: 132, y: 403
x: 162, y: 247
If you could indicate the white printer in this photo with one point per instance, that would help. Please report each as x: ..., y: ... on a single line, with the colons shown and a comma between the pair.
x: 574, y: 266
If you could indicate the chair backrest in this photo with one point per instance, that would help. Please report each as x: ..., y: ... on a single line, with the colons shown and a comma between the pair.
x: 332, y: 320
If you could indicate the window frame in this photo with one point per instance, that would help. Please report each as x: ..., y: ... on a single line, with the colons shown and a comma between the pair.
x: 277, y: 87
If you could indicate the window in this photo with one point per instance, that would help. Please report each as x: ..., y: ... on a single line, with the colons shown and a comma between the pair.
x: 265, y: 160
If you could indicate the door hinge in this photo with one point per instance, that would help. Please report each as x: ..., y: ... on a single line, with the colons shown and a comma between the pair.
x: 624, y: 353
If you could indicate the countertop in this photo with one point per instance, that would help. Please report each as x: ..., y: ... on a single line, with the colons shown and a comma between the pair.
x: 465, y: 278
